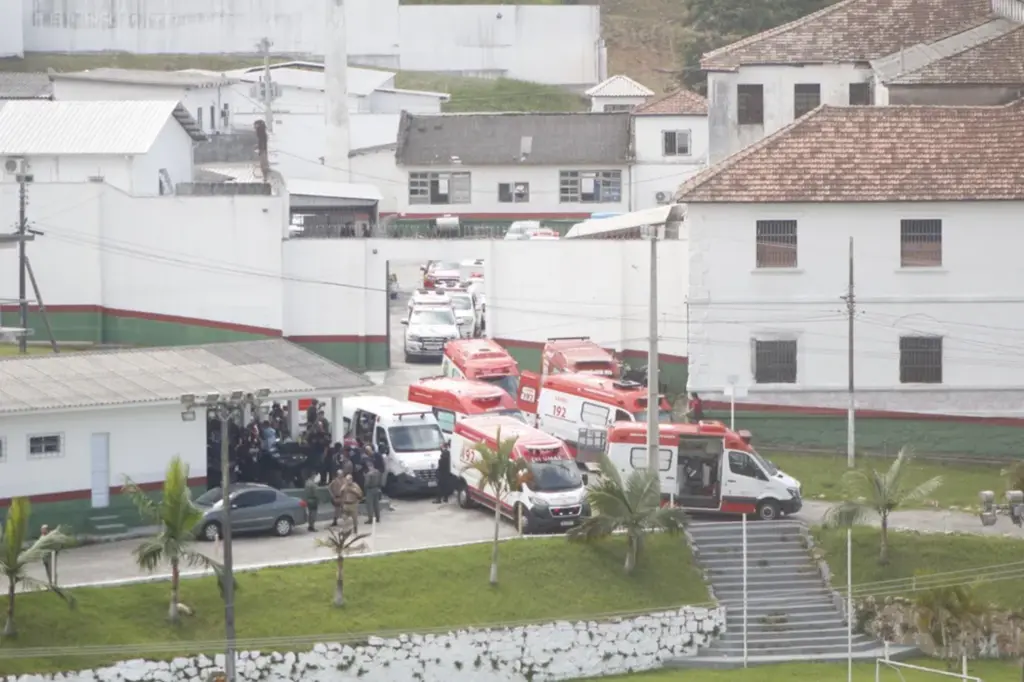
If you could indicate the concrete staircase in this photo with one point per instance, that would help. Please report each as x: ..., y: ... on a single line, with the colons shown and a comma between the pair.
x: 792, y: 614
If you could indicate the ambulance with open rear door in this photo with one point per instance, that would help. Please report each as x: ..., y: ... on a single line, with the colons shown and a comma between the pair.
x: 705, y: 467
x: 551, y: 496
x: 481, y: 360
x: 571, y: 406
x: 455, y: 399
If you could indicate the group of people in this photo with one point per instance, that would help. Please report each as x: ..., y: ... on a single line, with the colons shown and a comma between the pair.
x: 356, y: 474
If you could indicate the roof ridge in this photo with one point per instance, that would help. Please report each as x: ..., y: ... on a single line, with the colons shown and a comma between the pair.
x: 778, y: 30
x: 730, y: 161
x: 966, y: 48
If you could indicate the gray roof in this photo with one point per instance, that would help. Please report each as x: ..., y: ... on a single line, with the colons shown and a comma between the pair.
x: 25, y: 86
x: 161, y: 375
x: 531, y: 139
x: 234, y: 147
x: 180, y: 79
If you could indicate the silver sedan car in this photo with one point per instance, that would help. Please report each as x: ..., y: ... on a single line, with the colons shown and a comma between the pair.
x: 255, y: 508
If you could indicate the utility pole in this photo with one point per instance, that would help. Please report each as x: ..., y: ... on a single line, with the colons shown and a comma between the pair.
x: 22, y: 269
x: 851, y: 311
x: 268, y: 92
x: 653, y: 402
x: 225, y: 535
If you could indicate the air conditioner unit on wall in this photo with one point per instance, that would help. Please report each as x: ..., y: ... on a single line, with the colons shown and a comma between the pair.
x: 663, y: 198
x: 15, y: 165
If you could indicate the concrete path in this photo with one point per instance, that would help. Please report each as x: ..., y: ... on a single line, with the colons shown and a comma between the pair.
x: 924, y: 520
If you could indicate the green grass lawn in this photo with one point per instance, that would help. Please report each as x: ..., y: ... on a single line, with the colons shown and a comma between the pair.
x: 820, y: 476
x: 467, y: 94
x: 913, y: 553
x: 990, y: 671
x: 442, y: 588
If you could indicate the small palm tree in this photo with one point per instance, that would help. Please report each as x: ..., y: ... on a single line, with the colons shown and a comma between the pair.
x: 950, y: 614
x: 869, y: 492
x: 633, y: 507
x: 15, y: 557
x: 502, y: 472
x: 340, y: 541
x: 177, y: 517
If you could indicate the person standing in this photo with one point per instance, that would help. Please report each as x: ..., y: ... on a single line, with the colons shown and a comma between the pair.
x: 373, y: 494
x: 696, y: 408
x: 312, y: 500
x: 444, y: 475
x: 351, y: 494
x: 335, y: 489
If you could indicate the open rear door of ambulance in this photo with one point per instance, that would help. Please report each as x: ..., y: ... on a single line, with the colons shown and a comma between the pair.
x: 529, y: 394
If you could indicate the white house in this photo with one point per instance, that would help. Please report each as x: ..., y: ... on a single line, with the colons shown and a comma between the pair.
x: 143, y: 148
x: 932, y: 199
x: 760, y: 84
x: 670, y: 141
x: 618, y: 93
x: 503, y: 165
x: 207, y: 96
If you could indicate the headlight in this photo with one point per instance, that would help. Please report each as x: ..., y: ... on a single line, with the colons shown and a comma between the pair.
x: 411, y: 337
x: 793, y: 492
x: 538, y: 501
x: 397, y: 466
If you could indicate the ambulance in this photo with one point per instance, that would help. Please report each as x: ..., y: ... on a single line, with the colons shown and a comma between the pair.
x: 452, y: 400
x: 553, y: 493
x: 470, y: 270
x: 406, y: 434
x: 481, y: 360
x: 706, y: 467
x: 577, y: 354
x: 569, y: 406
x: 440, y: 274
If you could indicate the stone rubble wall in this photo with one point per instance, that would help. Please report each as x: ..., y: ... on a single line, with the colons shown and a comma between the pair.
x: 533, y: 653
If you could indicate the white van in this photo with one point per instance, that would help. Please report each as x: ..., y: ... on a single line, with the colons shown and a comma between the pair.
x: 405, y: 433
x: 554, y: 494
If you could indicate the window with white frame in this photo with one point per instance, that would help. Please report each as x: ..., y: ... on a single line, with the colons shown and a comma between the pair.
x: 675, y: 142
x: 594, y: 414
x: 590, y: 187
x: 774, y: 361
x: 439, y: 188
x: 46, y: 446
x: 638, y: 459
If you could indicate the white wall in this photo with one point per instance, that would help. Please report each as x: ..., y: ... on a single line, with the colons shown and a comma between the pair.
x: 654, y: 172
x: 728, y: 137
x: 379, y: 168
x: 397, y: 101
x: 12, y: 31
x: 134, y: 451
x: 116, y: 170
x: 544, y: 191
x: 973, y: 301
x: 172, y: 151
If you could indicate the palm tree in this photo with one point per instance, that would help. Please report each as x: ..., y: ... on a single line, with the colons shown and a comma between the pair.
x: 869, y: 493
x: 340, y: 541
x: 948, y: 614
x: 177, y: 517
x: 502, y: 472
x: 15, y: 558
x: 633, y: 507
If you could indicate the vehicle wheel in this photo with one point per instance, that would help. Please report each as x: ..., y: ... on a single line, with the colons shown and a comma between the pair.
x: 462, y: 496
x: 283, y: 527
x: 408, y: 359
x: 211, y: 531
x: 768, y: 510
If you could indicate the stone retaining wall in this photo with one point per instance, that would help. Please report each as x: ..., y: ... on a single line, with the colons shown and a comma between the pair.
x: 533, y: 653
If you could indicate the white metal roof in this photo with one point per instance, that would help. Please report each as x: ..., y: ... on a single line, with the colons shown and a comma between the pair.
x: 360, y: 82
x: 619, y: 86
x: 189, y: 78
x: 161, y: 375
x: 42, y: 127
x: 597, y: 227
x: 340, y: 190
x: 237, y: 172
x: 443, y: 96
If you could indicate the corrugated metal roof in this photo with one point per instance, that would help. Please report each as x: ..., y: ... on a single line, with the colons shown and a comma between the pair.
x: 42, y: 127
x: 619, y: 86
x: 25, y: 86
x: 189, y: 78
x: 160, y: 375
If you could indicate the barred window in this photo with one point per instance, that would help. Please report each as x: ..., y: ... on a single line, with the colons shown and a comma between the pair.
x: 45, y: 446
x: 439, y: 188
x: 590, y: 187
x: 920, y: 243
x: 776, y: 243
x: 774, y: 361
x: 806, y: 97
x: 920, y: 359
x: 675, y: 142
x: 750, y: 104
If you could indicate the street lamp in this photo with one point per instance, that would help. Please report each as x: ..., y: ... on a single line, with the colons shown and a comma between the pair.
x: 1014, y: 507
x: 226, y: 406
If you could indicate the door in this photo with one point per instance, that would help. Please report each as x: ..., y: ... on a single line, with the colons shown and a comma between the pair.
x: 529, y: 392
x: 99, y: 446
x: 253, y: 510
x: 741, y: 485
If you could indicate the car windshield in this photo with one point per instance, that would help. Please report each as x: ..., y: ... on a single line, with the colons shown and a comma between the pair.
x: 509, y: 384
x: 664, y: 416
x: 416, y: 438
x: 554, y: 475
x: 209, y: 498
x: 462, y: 302
x: 431, y: 317
x: 769, y: 467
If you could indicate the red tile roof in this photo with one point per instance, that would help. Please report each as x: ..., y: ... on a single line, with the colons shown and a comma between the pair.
x: 999, y: 61
x: 859, y: 154
x: 679, y: 103
x: 852, y: 31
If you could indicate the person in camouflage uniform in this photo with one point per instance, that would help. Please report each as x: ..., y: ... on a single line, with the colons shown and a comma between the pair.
x: 312, y: 500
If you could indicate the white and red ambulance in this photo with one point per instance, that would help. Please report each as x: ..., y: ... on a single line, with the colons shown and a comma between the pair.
x: 455, y: 399
x: 571, y: 406
x: 481, y: 360
x: 577, y: 355
x: 552, y: 495
x: 706, y: 467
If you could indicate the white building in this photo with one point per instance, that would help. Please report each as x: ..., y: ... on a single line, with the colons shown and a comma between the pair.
x: 670, y: 142
x: 617, y: 94
x: 143, y: 148
x: 74, y: 426
x: 540, y: 165
x: 209, y: 97
x: 760, y: 84
x: 932, y: 198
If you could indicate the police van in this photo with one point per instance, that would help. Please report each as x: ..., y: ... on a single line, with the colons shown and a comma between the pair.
x: 405, y: 433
